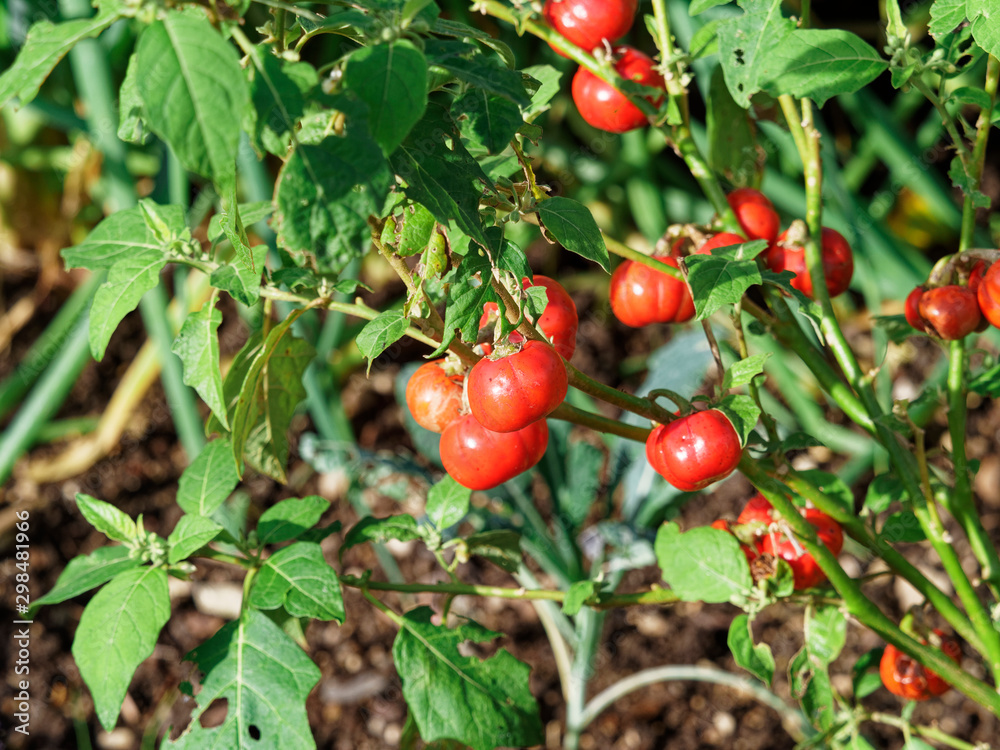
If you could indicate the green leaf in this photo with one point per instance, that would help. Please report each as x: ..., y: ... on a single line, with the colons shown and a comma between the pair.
x: 579, y: 592
x: 486, y: 119
x: 865, y: 681
x: 263, y: 676
x: 290, y: 518
x: 128, y: 280
x: 832, y: 486
x: 469, y: 291
x: 441, y: 174
x: 703, y: 564
x: 946, y: 16
x: 825, y: 632
x: 299, y: 579
x: 487, y: 74
x: 106, y: 518
x: 194, y: 93
x: 417, y: 228
x: 573, y: 227
x: 392, y: 80
x: 86, y: 572
x: 209, y: 480
x: 732, y: 148
x: 820, y: 64
x: 502, y: 547
x: 549, y: 81
x: 197, y: 346
x: 242, y: 282
x: 324, y: 196
x: 278, y: 91
x: 380, y: 333
x: 130, y: 115
x: 117, y: 631
x: 961, y: 179
x: 481, y: 703
x: 372, y: 529
x: 902, y: 526
x: 700, y: 6
x: 743, y: 412
x: 810, y: 684
x: 987, y: 382
x: 447, y: 503
x: 756, y: 658
x: 189, y: 535
x: 743, y: 371
x: 882, y: 492
x: 985, y: 17
x: 45, y: 45
x: 122, y: 235
x: 583, y: 482
x: 718, y: 281
x: 746, y: 42
x: 894, y: 26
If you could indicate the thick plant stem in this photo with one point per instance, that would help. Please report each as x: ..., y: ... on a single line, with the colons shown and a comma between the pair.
x: 589, y: 624
x: 861, y: 607
x: 569, y: 413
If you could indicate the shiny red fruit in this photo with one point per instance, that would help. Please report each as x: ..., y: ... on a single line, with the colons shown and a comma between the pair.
x: 951, y: 312
x: 722, y: 239
x: 480, y: 459
x: 694, y: 451
x: 508, y: 394
x: 589, y: 23
x: 604, y: 106
x: 976, y: 276
x: 757, y: 510
x: 838, y: 262
x: 755, y: 213
x: 434, y: 397
x: 907, y: 678
x: 641, y: 295
x: 559, y: 321
x: 912, y: 309
x: 989, y: 295
x: 805, y: 569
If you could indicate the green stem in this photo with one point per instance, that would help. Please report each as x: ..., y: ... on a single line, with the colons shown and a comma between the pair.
x: 931, y: 733
x: 589, y: 625
x: 624, y: 251
x: 568, y: 413
x: 793, y: 116
x: 946, y: 118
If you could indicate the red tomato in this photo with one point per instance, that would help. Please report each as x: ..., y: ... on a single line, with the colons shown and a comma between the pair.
x: 589, y: 23
x: 989, y: 295
x: 694, y: 451
x: 755, y: 214
x: 907, y: 678
x: 559, y: 320
x: 912, y: 309
x: 722, y: 525
x: 480, y: 459
x: 508, y: 394
x: 757, y: 510
x: 951, y: 312
x: 976, y: 276
x: 604, y: 106
x: 805, y: 569
x: 434, y: 397
x: 641, y: 295
x: 838, y: 262
x: 722, y: 239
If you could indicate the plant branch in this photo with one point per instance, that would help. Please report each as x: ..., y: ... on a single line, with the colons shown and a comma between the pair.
x: 568, y: 413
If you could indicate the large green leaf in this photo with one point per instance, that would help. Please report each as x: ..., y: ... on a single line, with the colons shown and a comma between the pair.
x: 194, y: 93
x: 128, y: 280
x: 264, y: 677
x: 447, y: 503
x: 574, y: 227
x: 278, y: 90
x: 985, y: 17
x: 392, y: 80
x: 300, y: 580
x: 732, y: 147
x: 85, y: 572
x: 946, y: 16
x: 381, y: 332
x: 324, y: 196
x: 189, y: 535
x: 117, y: 631
x: 745, y: 42
x: 487, y: 120
x: 723, y: 278
x: 481, y: 703
x: 209, y: 480
x: 756, y: 658
x: 290, y: 518
x: 197, y: 345
x: 703, y: 564
x: 121, y: 235
x: 46, y: 44
x: 106, y: 518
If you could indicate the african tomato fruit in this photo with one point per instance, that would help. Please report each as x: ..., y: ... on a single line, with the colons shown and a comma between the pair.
x: 694, y: 451
x: 989, y: 295
x: 912, y: 309
x: 838, y: 262
x: 951, y: 312
x: 757, y: 510
x: 976, y: 276
x: 755, y: 213
x: 805, y: 570
x: 722, y: 239
x: 589, y: 23
x: 558, y: 322
x: 641, y: 295
x: 907, y: 678
x: 509, y: 393
x: 604, y: 106
x: 481, y: 459
x: 434, y: 397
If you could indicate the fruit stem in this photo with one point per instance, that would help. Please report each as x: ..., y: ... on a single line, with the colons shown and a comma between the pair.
x: 569, y: 413
x: 793, y: 116
x: 622, y: 250
x: 770, y: 426
x: 931, y: 733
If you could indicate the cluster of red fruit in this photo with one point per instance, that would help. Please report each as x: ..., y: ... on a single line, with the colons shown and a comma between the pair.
x: 492, y: 421
x: 761, y: 533
x: 907, y: 678
x: 641, y: 295
x: 953, y: 311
